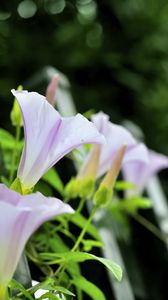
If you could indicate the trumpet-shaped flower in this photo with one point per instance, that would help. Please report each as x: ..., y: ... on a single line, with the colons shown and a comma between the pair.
x: 48, y: 136
x: 116, y: 136
x: 20, y: 216
x: 139, y: 172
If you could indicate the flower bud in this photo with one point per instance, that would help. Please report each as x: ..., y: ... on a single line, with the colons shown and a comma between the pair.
x: 83, y: 185
x: 102, y: 196
x: 88, y: 173
x: 72, y: 188
x: 104, y: 193
x: 51, y: 89
x: 15, y: 114
x: 86, y: 188
x: 91, y: 166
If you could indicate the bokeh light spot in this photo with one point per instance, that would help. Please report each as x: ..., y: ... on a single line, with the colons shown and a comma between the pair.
x: 54, y: 7
x: 27, y: 9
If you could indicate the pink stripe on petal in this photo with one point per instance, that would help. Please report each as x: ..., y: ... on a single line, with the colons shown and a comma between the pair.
x: 139, y: 172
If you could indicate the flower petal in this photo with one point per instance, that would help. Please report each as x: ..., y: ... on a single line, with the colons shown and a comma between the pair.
x: 138, y: 172
x: 116, y: 136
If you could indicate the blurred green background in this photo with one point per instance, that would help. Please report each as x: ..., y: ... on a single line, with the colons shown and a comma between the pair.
x: 115, y: 54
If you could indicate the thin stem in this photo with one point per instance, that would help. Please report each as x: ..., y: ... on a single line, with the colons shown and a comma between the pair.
x: 81, y: 205
x: 152, y: 228
x: 62, y: 269
x: 14, y: 154
x: 62, y: 266
x: 59, y: 269
x: 84, y: 229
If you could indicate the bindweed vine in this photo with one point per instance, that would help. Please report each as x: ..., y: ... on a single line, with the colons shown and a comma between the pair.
x: 67, y: 239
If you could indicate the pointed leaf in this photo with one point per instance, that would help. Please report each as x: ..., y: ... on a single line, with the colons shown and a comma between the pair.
x: 89, y: 288
x: 83, y: 256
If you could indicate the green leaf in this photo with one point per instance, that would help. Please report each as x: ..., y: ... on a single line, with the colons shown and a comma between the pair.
x: 57, y: 244
x: 132, y: 204
x: 54, y: 180
x: 7, y: 140
x: 83, y: 256
x: 63, y: 290
x: 88, y: 114
x: 49, y: 295
x: 14, y: 285
x: 124, y: 185
x: 43, y: 188
x: 89, y: 288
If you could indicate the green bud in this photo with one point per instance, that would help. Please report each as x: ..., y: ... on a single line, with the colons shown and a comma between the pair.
x: 72, y: 188
x: 79, y: 187
x: 18, y: 187
x: 86, y: 188
x: 15, y: 115
x: 103, y: 196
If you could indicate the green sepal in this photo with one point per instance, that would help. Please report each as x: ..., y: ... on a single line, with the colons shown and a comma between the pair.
x: 72, y: 188
x: 79, y: 187
x: 86, y: 188
x: 18, y: 187
x: 103, y: 196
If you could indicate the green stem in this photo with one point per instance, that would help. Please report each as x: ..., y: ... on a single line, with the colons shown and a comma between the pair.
x: 84, y: 229
x: 152, y: 228
x: 14, y: 154
x: 62, y: 266
x: 81, y: 205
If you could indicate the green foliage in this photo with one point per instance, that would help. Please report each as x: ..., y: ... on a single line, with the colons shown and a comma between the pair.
x: 88, y: 287
x: 52, y: 291
x: 123, y: 185
x: 14, y: 285
x: 132, y: 204
x: 54, y: 180
x: 81, y: 257
x: 7, y: 141
x: 80, y: 221
x: 89, y: 244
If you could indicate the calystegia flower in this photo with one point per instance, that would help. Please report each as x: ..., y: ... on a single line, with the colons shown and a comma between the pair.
x: 20, y: 216
x: 48, y: 136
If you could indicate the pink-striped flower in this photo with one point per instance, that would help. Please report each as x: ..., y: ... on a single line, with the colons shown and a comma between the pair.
x: 48, y: 136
